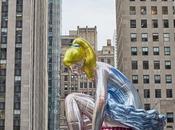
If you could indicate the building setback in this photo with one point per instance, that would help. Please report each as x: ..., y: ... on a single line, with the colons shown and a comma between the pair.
x: 23, y: 65
x: 146, y: 51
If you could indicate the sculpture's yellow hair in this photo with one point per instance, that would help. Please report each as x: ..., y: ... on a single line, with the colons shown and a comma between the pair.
x: 81, y: 50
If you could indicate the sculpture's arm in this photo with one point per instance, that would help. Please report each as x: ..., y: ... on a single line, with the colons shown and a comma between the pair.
x: 101, y: 95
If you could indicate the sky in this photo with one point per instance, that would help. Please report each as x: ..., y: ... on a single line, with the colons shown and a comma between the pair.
x: 91, y: 13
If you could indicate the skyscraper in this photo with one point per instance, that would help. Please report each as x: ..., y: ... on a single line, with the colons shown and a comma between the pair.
x: 23, y: 65
x: 145, y: 45
x: 54, y: 48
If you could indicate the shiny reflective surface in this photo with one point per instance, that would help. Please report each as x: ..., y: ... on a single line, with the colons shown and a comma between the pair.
x: 116, y: 101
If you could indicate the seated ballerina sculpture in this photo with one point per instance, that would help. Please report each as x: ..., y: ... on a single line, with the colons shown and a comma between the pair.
x: 116, y: 98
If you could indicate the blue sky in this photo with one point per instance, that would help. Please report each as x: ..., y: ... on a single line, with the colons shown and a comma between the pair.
x: 90, y: 13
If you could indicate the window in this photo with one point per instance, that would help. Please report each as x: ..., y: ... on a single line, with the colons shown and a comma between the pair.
x: 135, y: 79
x: 19, y: 22
x: 144, y: 50
x: 134, y: 65
x: 155, y: 50
x: 147, y: 106
x: 145, y: 65
x: 170, y: 117
x: 154, y: 23
x: 166, y: 37
x: 169, y: 93
x: 133, y: 37
x: 156, y: 65
x: 146, y: 79
x: 90, y: 85
x: 165, y: 23
x: 132, y: 10
x: 143, y: 10
x: 81, y: 84
x: 164, y: 10
x: 3, y: 54
x: 167, y: 64
x: 168, y: 79
x: 4, y: 37
x: 133, y: 51
x: 146, y: 93
x: 65, y: 78
x: 157, y: 93
x: 85, y: 84
x: 2, y: 105
x: 153, y: 10
x: 109, y: 61
x: 102, y: 60
x: 155, y: 37
x: 132, y: 23
x: 18, y: 53
x: 173, y: 9
x: 19, y: 36
x: 144, y: 37
x: 4, y: 23
x: 2, y: 124
x: 157, y: 79
x: 167, y: 51
x: 2, y: 72
x: 143, y: 23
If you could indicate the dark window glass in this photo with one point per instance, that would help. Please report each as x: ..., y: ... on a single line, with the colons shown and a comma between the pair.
x: 169, y: 93
x: 165, y: 23
x: 147, y: 106
x: 135, y: 79
x: 146, y: 79
x: 132, y: 23
x: 134, y: 65
x: 157, y: 79
x: 154, y: 23
x: 145, y: 64
x: 157, y: 93
x: 146, y: 93
x: 156, y: 64
x: 170, y: 117
x: 143, y: 23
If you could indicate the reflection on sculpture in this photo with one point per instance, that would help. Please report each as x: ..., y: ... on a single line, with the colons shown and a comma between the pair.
x: 116, y: 98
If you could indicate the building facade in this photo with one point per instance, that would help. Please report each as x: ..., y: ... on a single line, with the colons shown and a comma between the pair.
x: 73, y: 83
x: 107, y: 54
x: 23, y: 65
x: 54, y: 48
x: 145, y: 51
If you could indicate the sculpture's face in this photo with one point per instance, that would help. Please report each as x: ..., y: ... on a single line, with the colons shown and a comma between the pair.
x: 76, y: 68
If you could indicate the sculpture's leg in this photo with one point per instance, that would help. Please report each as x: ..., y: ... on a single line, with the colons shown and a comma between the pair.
x: 73, y: 113
x: 77, y: 104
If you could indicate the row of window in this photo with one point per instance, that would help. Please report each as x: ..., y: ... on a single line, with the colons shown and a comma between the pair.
x: 145, y: 51
x: 156, y: 64
x: 158, y: 93
x: 154, y: 11
x: 154, y: 23
x: 157, y: 79
x: 155, y: 37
